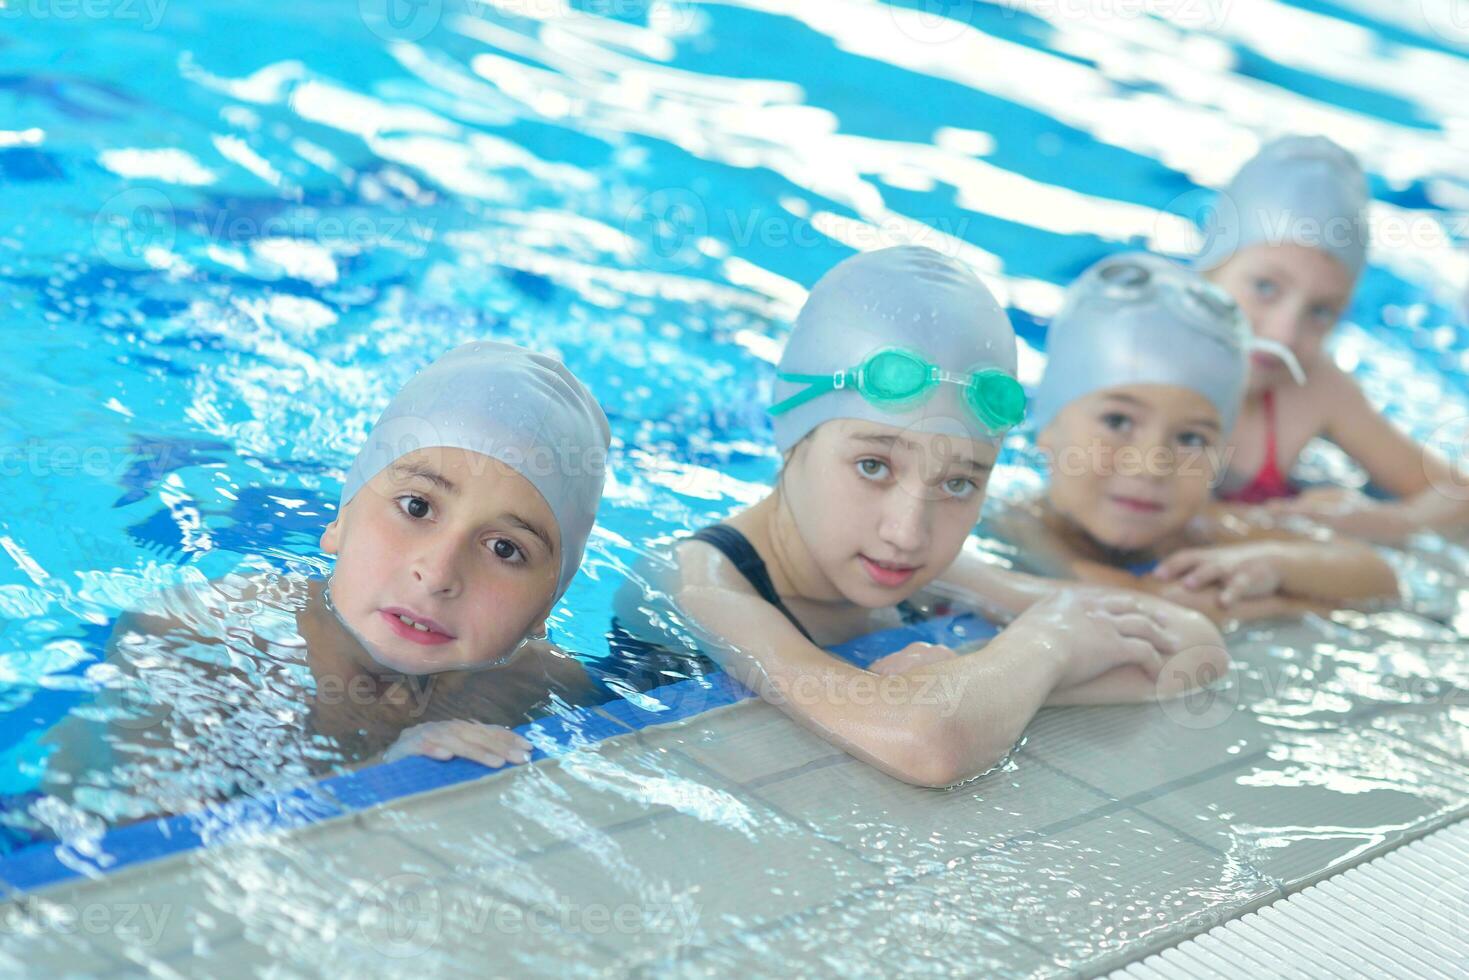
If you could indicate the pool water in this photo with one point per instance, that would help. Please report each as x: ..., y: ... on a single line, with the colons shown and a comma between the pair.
x: 230, y: 234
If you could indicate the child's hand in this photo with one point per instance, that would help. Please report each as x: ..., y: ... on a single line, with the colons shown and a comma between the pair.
x: 1098, y: 630
x: 913, y: 655
x: 1245, y: 571
x: 489, y: 745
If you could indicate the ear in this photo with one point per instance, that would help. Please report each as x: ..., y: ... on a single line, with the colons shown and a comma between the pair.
x: 1045, y: 441
x: 330, y: 537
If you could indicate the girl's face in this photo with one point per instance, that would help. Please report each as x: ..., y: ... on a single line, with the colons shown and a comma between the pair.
x: 883, y: 511
x: 455, y: 541
x: 1132, y: 465
x: 1291, y: 294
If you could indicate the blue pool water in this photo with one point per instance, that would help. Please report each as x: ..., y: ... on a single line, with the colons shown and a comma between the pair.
x: 229, y: 234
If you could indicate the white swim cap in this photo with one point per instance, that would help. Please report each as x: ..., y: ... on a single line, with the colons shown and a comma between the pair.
x: 519, y: 407
x: 1302, y: 190
x: 1137, y: 318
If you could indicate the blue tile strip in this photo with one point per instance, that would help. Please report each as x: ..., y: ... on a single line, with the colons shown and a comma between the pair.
x: 49, y: 863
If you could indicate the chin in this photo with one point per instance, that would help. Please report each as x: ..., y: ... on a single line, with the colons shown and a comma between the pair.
x: 1139, y: 539
x: 407, y: 661
x: 867, y: 594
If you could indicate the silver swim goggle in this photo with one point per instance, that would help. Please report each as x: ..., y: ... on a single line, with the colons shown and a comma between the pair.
x: 1130, y: 281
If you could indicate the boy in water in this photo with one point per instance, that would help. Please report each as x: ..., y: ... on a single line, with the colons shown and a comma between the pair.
x: 462, y: 522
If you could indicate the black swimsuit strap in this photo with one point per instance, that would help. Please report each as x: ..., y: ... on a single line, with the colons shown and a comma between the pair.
x: 738, y: 549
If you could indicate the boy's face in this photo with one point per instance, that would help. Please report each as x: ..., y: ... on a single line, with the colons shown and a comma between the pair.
x: 1291, y: 294
x: 884, y: 511
x: 1132, y: 465
x: 454, y: 540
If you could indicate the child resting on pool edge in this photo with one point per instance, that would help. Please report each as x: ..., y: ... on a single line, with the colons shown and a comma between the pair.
x: 462, y: 521
x: 1146, y: 364
x: 1288, y: 240
x: 894, y: 388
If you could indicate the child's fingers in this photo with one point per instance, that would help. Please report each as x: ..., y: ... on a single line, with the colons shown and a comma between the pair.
x: 504, y: 738
x: 475, y: 750
x: 494, y: 742
x: 436, y: 750
x: 1145, y: 655
x: 513, y: 747
x: 1207, y: 572
x: 1234, y: 589
x: 1119, y: 603
x: 1136, y: 626
x: 1177, y: 563
x: 1243, y: 584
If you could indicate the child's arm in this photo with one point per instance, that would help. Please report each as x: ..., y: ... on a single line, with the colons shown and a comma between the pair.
x: 1443, y: 507
x: 1206, y: 600
x: 1431, y: 494
x: 942, y: 721
x: 1333, y: 571
x: 1391, y: 458
x: 1014, y: 591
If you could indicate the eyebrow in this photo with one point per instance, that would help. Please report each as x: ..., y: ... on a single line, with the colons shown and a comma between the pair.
x: 887, y: 442
x: 407, y: 471
x: 1129, y: 400
x: 526, y: 526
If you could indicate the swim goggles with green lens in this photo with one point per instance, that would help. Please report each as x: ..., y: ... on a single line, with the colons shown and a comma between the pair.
x: 895, y: 378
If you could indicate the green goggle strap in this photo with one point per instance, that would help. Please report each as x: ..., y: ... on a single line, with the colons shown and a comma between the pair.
x: 819, y: 384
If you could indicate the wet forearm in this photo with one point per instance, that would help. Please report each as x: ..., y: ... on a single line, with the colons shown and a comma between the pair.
x: 1334, y: 571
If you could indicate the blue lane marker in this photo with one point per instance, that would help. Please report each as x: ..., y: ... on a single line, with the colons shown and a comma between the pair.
x: 48, y: 862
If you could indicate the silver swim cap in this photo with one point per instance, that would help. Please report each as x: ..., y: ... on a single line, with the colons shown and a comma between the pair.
x: 519, y: 407
x: 1138, y: 318
x: 910, y: 298
x: 1302, y: 190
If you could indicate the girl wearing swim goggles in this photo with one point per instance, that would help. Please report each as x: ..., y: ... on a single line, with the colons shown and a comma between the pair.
x: 881, y: 483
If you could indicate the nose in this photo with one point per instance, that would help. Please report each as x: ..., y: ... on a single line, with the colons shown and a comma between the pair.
x: 435, y: 566
x: 905, y: 517
x: 1155, y: 459
x: 1281, y: 324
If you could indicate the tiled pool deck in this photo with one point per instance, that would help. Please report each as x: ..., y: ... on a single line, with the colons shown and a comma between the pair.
x: 733, y: 841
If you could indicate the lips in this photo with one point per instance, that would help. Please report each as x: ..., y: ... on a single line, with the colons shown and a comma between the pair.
x: 432, y: 636
x: 1137, y: 504
x: 887, y: 574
